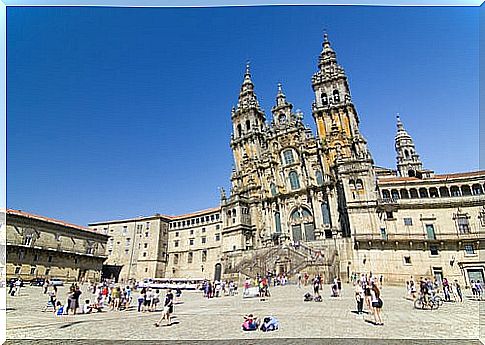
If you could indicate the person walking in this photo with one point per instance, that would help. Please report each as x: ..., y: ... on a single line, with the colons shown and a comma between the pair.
x: 167, y: 309
x: 316, y: 286
x: 457, y: 288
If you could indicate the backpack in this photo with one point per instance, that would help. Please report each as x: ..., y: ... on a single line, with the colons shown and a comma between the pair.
x: 318, y: 299
x: 269, y: 324
x: 307, y: 297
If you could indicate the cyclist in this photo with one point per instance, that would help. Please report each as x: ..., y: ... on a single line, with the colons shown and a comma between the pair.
x: 424, y: 290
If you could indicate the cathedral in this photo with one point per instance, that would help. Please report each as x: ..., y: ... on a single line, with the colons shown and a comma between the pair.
x: 312, y: 202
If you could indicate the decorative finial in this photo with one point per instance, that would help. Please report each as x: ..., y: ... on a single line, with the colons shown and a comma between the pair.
x: 247, y: 67
x: 280, y: 89
x: 325, y: 35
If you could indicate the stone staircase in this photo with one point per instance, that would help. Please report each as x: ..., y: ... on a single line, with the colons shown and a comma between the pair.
x: 299, y: 258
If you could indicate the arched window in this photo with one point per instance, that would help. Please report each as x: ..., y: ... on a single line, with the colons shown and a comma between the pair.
x: 359, y: 184
x: 248, y: 125
x: 423, y: 193
x: 277, y: 219
x: 477, y: 189
x: 352, y: 184
x: 404, y: 194
x: 305, y: 213
x: 273, y: 189
x: 411, y: 173
x: 319, y: 177
x: 433, y: 192
x: 324, y: 99
x: 326, y: 213
x: 455, y: 191
x: 386, y: 194
x: 239, y: 130
x: 282, y: 118
x: 288, y: 157
x: 413, y: 193
x: 394, y: 194
x: 444, y: 192
x: 294, y: 181
x: 336, y: 96
x: 465, y: 190
x: 406, y: 153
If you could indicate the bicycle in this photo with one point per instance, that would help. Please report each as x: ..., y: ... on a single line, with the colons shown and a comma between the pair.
x: 422, y: 303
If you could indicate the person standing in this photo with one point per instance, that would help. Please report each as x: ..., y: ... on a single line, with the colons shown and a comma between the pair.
x: 46, y: 285
x: 359, y: 298
x: 376, y: 304
x: 299, y: 280
x: 446, y: 290
x: 316, y: 286
x: 458, y: 290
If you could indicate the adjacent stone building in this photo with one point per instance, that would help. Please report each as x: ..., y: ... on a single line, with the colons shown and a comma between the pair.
x: 301, y: 201
x: 38, y: 246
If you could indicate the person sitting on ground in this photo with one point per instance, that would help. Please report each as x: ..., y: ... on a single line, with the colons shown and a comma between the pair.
x: 87, y: 308
x: 250, y: 323
x: 270, y: 323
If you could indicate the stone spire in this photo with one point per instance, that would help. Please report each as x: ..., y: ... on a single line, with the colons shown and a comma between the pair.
x: 282, y: 109
x: 327, y: 56
x: 247, y: 97
x: 408, y: 162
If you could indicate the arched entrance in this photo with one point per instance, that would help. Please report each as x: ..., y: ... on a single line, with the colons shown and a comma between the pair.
x: 302, y: 226
x: 218, y: 272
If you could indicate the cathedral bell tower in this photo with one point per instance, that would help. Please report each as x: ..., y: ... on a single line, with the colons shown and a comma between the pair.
x: 344, y: 147
x: 408, y: 162
x: 248, y: 122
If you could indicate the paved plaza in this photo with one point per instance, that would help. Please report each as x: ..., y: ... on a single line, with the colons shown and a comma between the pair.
x: 220, y: 318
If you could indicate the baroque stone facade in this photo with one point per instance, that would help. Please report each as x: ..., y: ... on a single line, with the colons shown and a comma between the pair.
x: 38, y: 246
x: 316, y: 203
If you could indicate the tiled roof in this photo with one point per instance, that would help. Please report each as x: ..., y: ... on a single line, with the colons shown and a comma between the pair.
x: 197, y: 213
x: 46, y: 219
x: 437, y: 177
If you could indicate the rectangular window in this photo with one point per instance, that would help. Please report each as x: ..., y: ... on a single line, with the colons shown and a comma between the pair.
x: 17, y: 269
x: 47, y: 271
x: 469, y: 250
x: 49, y: 259
x: 147, y: 234
x: 434, y: 250
x: 430, y: 232
x: 191, y: 231
x: 204, y: 255
x: 144, y: 254
x: 175, y: 259
x: 191, y: 242
x: 212, y: 218
x: 463, y: 225
x: 203, y: 229
x: 176, y: 243
x: 27, y: 240
x: 127, y: 251
x: 407, y: 260
x: 218, y: 237
x: 288, y: 155
x: 383, y: 234
x: 217, y: 216
x: 408, y: 221
x: 148, y: 225
x: 128, y: 241
x: 204, y: 240
x: 190, y: 257
x: 218, y: 227
x: 125, y: 230
x: 145, y: 245
x: 176, y: 234
x: 32, y: 270
x: 36, y: 257
x: 389, y: 215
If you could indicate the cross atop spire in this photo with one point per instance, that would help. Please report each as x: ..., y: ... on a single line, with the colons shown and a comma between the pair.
x: 247, y: 74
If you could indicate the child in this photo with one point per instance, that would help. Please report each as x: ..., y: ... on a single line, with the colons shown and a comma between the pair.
x: 87, y: 308
x: 59, y: 308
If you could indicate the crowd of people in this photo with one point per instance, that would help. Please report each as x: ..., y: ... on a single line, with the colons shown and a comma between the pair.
x: 426, y: 288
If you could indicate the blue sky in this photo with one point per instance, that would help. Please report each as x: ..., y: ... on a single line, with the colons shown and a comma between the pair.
x: 118, y: 112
